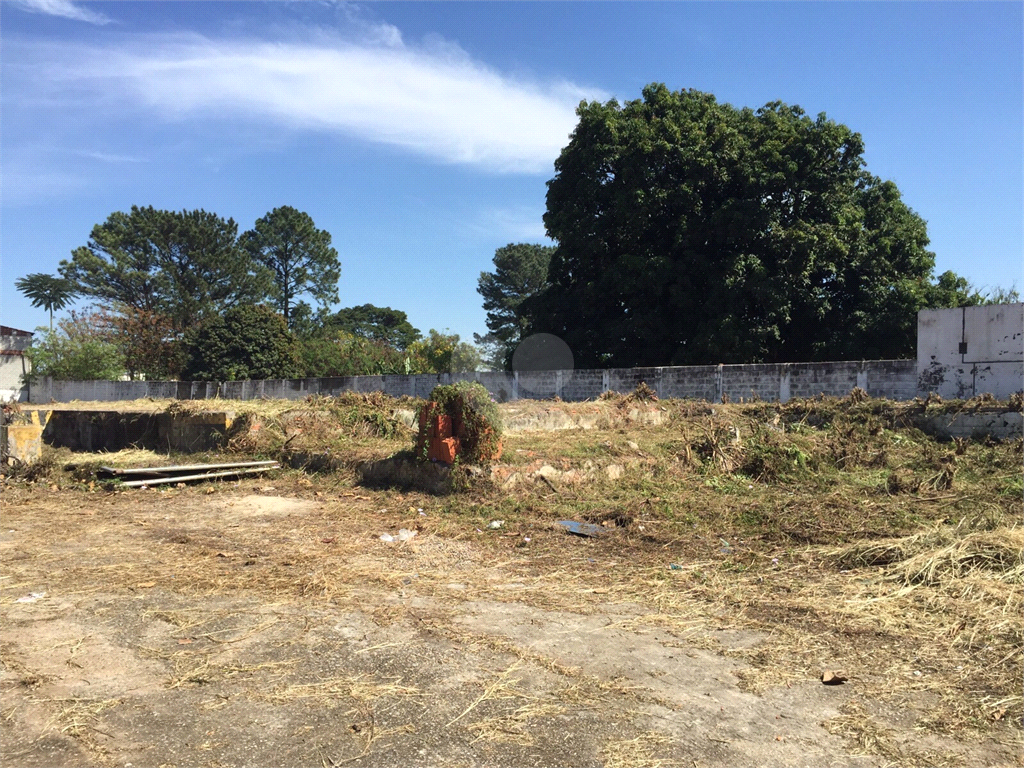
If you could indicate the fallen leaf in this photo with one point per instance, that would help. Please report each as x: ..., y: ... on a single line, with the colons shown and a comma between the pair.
x: 147, y: 585
x: 184, y: 641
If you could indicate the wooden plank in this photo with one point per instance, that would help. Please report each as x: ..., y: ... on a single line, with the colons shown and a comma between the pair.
x: 207, y: 476
x: 183, y: 468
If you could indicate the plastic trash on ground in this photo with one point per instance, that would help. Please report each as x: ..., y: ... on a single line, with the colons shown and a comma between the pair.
x: 582, y: 529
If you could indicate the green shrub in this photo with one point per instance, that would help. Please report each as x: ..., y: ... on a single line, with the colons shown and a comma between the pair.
x: 476, y: 420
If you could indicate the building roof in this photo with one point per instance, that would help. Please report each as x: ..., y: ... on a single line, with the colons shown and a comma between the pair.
x: 8, y: 331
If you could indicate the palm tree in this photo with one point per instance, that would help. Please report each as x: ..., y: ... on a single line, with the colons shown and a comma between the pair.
x: 47, y: 291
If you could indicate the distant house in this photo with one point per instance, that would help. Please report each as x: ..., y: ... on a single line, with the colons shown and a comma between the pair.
x: 13, y: 362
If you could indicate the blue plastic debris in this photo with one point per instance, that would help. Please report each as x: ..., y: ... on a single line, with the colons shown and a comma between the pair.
x: 582, y: 529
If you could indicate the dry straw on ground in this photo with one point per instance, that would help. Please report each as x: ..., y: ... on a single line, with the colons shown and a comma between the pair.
x: 914, y: 584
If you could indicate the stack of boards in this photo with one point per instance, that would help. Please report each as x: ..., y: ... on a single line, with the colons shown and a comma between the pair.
x: 146, y: 476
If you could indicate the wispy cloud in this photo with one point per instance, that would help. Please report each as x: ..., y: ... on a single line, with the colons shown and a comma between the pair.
x: 432, y: 99
x: 514, y: 224
x: 106, y: 157
x: 63, y: 8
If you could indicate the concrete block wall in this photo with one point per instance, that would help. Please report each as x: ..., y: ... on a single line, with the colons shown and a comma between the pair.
x: 585, y: 384
x: 752, y: 382
x: 894, y: 379
x: 699, y: 382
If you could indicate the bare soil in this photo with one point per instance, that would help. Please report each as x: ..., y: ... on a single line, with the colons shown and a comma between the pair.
x: 250, y: 627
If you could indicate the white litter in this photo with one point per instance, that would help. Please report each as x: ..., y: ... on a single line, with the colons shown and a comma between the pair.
x: 495, y: 524
x: 404, y: 534
x: 31, y: 597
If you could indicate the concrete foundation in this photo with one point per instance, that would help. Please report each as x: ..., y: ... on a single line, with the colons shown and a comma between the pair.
x: 1002, y: 425
x: 406, y: 473
x: 21, y: 440
x: 95, y: 431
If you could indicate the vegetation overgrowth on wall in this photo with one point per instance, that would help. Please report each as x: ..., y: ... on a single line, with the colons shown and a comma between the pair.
x: 472, y: 418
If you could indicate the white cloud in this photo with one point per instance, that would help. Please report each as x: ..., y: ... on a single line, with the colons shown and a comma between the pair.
x: 433, y: 100
x: 64, y: 8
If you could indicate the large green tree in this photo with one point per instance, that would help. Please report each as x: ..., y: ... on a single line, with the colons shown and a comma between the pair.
x: 298, y: 255
x: 692, y: 232
x: 520, y: 272
x: 390, y: 326
x: 246, y: 342
x: 47, y: 291
x: 183, y: 265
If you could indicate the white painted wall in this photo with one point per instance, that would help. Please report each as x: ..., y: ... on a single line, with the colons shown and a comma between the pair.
x: 971, y: 351
x: 13, y: 365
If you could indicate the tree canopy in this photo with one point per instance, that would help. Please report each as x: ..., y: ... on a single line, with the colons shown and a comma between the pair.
x: 520, y: 272
x: 79, y: 349
x: 246, y: 342
x: 445, y: 353
x: 390, y: 326
x: 185, y: 265
x: 692, y: 232
x: 47, y: 291
x: 298, y: 255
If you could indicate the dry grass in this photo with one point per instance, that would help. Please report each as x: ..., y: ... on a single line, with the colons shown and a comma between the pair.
x: 503, y: 687
x: 638, y: 752
x: 190, y: 670
x: 514, y: 728
x: 359, y: 688
x: 868, y: 737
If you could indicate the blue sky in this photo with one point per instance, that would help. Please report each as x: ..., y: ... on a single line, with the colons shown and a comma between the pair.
x: 421, y: 135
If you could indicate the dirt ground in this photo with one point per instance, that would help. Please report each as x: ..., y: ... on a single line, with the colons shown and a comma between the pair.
x: 264, y: 622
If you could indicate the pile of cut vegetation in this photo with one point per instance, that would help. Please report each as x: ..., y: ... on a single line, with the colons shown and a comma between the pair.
x: 350, y: 424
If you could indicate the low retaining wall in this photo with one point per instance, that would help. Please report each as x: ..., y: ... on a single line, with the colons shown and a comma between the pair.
x: 893, y: 379
x: 114, y: 431
x: 1001, y: 425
